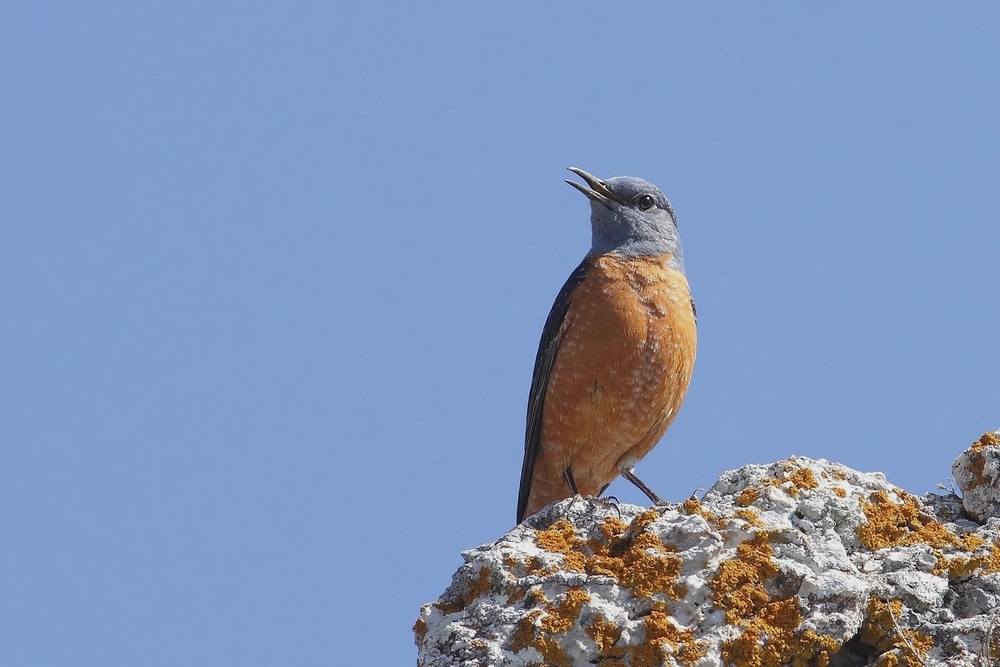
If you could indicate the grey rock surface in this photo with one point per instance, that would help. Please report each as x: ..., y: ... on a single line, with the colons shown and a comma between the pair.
x: 801, y: 562
x: 977, y: 473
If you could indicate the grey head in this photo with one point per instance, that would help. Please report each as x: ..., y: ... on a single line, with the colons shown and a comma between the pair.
x: 630, y: 217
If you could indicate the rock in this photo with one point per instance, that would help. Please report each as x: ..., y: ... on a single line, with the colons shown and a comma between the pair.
x: 802, y: 562
x: 977, y: 473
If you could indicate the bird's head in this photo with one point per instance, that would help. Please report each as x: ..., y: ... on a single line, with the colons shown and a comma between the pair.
x: 629, y: 216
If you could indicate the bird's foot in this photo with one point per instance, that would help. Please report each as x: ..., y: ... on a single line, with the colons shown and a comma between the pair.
x: 609, y: 502
x: 604, y: 502
x: 630, y: 476
x: 576, y: 497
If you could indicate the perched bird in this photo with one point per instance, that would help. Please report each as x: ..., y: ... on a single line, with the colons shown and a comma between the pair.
x: 617, y: 349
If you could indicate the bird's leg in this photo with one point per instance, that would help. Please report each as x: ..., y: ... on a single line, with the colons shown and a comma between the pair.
x: 630, y: 476
x: 568, y: 476
x: 611, y: 501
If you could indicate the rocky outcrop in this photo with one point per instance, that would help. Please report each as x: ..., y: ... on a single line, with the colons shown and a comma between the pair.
x: 977, y: 473
x: 801, y: 562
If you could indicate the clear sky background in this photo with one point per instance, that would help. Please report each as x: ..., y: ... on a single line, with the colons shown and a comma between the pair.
x: 272, y: 278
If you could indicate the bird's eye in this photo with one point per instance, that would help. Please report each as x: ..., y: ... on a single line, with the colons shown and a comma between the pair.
x: 646, y: 202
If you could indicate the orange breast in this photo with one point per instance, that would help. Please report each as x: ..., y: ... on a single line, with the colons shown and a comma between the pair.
x: 626, y: 354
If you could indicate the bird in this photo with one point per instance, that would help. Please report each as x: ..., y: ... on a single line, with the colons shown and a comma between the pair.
x: 617, y: 350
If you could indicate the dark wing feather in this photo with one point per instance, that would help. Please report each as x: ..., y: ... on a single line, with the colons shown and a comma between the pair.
x: 544, y: 360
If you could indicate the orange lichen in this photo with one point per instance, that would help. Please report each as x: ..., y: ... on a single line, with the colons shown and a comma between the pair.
x: 986, y: 440
x: 900, y: 523
x: 768, y: 640
x: 558, y: 619
x: 553, y: 653
x: 896, y: 645
x: 905, y: 523
x: 977, y: 466
x: 694, y: 506
x: 985, y: 560
x: 612, y: 528
x: 839, y: 492
x: 481, y: 584
x: 538, y: 596
x: 611, y: 531
x: 420, y: 629
x: 561, y: 538
x: 604, y: 633
x: 750, y: 516
x: 642, y: 521
x: 562, y: 616
x: 638, y: 560
x: 512, y: 564
x: 768, y: 627
x: 803, y: 478
x: 976, y: 461
x: 821, y: 646
x: 664, y: 638
x: 515, y: 596
x: 534, y: 565
x: 738, y: 586
x: 534, y: 593
x: 647, y: 566
x: 644, y: 564
x: 517, y: 567
x: 525, y: 635
x: 748, y: 496
x: 524, y: 632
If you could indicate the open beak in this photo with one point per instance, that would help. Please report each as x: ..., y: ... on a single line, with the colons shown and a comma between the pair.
x: 598, y: 191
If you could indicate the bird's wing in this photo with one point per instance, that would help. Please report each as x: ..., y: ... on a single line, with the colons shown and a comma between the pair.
x: 548, y: 347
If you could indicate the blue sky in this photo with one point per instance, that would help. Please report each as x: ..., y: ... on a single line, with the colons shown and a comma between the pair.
x: 273, y: 278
